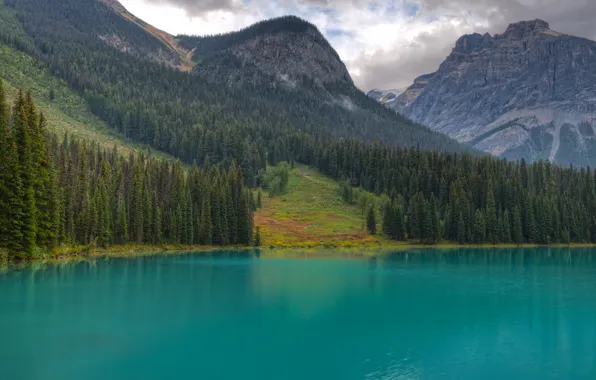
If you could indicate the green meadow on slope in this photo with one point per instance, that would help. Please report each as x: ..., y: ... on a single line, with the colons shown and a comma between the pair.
x: 312, y: 213
x: 66, y: 111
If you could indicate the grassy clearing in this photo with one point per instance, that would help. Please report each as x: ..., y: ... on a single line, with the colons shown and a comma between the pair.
x: 68, y: 112
x: 311, y: 213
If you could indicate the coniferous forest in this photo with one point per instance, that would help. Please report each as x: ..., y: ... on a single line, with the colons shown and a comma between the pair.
x: 227, y: 135
x: 463, y: 198
x: 71, y: 192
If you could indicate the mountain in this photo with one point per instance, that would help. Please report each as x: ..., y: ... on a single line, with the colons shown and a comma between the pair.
x: 284, y: 49
x: 239, y: 96
x: 384, y: 96
x: 529, y: 92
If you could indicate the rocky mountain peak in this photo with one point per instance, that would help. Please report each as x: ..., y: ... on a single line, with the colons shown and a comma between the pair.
x: 287, y: 49
x: 529, y: 92
x: 525, y: 29
x: 471, y: 42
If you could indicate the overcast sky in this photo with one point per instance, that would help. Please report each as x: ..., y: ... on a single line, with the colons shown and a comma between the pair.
x: 386, y: 43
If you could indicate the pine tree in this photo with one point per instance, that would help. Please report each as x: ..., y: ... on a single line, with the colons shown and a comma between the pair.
x: 506, y: 235
x: 518, y: 237
x: 104, y: 217
x: 207, y: 223
x: 389, y: 219
x: 258, y: 237
x: 400, y: 224
x: 371, y: 221
x: 11, y: 190
x: 45, y: 187
x: 156, y: 225
x: 492, y: 227
x: 461, y: 230
x: 479, y: 234
x: 436, y: 222
x: 427, y: 232
x: 121, y: 223
x: 27, y: 172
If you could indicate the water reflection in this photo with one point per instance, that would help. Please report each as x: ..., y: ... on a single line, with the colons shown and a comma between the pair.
x: 259, y: 314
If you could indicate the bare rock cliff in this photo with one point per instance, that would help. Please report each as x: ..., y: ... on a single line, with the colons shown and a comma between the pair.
x: 529, y: 92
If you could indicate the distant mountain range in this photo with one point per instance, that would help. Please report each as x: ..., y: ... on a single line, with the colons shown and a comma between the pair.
x: 384, y: 96
x: 529, y: 92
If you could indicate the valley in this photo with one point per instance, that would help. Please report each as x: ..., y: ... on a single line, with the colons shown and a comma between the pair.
x: 170, y: 139
x: 234, y: 206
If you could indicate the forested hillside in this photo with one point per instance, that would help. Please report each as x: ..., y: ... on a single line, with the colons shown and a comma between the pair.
x: 111, y: 62
x: 73, y: 192
x: 462, y: 198
x: 93, y: 68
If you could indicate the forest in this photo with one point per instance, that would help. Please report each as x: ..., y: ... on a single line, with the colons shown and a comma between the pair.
x: 140, y: 95
x: 70, y: 192
x: 229, y: 140
x: 461, y: 198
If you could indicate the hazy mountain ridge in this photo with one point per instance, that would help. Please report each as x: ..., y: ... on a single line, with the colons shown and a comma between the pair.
x: 528, y: 92
x: 384, y: 96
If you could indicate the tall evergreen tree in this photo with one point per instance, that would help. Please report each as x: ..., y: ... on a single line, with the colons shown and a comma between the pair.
x: 11, y: 190
x: 26, y: 171
x: 371, y: 221
x: 518, y: 237
x: 492, y: 228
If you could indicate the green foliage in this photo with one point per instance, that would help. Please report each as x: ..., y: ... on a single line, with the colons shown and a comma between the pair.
x: 187, y: 114
x: 276, y: 178
x: 64, y: 49
x: 258, y: 237
x: 541, y: 203
x: 371, y: 221
x: 67, y: 112
x: 76, y: 193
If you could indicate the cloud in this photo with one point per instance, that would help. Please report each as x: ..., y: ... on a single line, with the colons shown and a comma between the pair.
x: 384, y: 43
x: 198, y: 7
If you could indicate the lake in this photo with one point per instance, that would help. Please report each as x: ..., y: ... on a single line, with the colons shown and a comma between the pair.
x: 418, y: 314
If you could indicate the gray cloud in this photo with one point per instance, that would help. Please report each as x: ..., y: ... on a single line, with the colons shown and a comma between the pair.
x: 398, y: 65
x: 198, y: 7
x: 396, y: 68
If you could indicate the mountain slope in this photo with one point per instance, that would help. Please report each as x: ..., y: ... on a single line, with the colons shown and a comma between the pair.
x: 285, y: 48
x: 249, y: 95
x: 184, y: 61
x: 384, y: 96
x: 528, y: 92
x: 67, y: 112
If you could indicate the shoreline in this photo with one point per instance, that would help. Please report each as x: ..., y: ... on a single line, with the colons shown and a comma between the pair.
x: 66, y: 254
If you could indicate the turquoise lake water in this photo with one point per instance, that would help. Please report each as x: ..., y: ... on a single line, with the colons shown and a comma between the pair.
x: 422, y: 314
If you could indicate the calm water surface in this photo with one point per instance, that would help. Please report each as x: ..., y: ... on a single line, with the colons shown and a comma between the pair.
x: 427, y: 314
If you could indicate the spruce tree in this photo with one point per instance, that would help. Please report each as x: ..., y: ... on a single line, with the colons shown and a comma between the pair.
x: 518, y: 237
x: 371, y: 221
x: 400, y: 224
x: 427, y: 235
x: 258, y: 237
x: 479, y: 234
x: 389, y: 219
x: 436, y: 221
x: 26, y: 169
x: 461, y: 230
x: 492, y: 227
x: 506, y: 235
x: 11, y: 187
